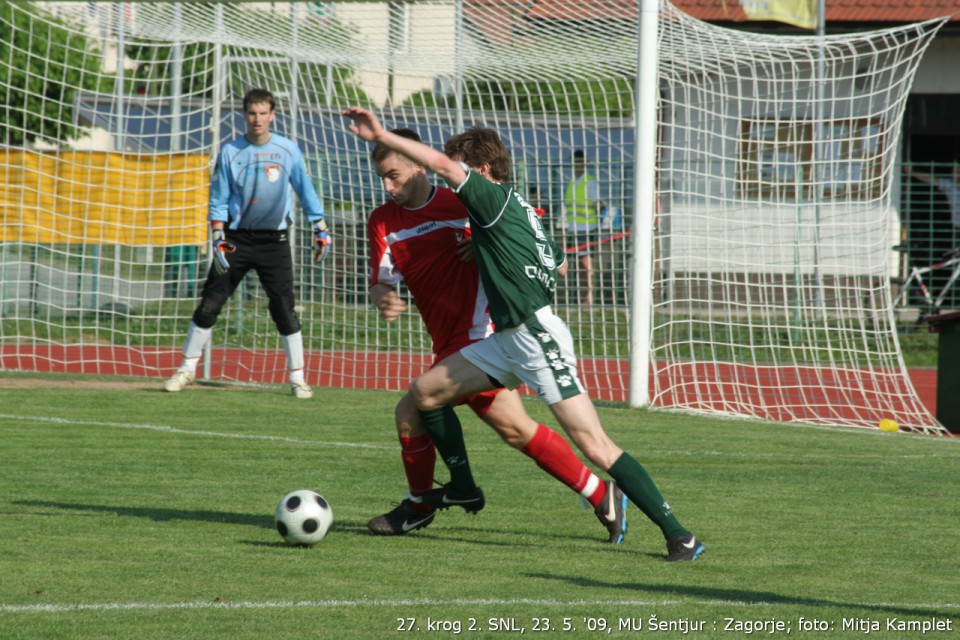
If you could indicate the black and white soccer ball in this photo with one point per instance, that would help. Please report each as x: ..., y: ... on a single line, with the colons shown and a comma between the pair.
x: 303, y: 517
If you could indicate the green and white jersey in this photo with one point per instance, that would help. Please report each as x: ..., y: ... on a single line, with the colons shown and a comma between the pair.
x: 518, y: 261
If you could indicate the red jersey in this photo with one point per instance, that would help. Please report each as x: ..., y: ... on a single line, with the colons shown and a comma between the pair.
x: 418, y: 246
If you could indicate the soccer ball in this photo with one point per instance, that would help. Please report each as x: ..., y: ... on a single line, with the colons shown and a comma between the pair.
x: 303, y: 517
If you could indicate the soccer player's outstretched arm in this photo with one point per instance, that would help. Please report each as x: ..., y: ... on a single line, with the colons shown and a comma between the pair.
x: 368, y: 127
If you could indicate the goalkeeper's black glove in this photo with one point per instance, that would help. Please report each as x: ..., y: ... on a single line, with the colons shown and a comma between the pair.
x: 321, y: 240
x: 220, y: 250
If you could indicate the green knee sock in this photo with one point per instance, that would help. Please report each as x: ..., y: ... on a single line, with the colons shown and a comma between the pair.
x: 634, y: 481
x: 445, y: 430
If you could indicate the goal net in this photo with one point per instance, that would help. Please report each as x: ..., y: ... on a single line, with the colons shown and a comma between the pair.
x: 776, y: 225
x: 773, y: 220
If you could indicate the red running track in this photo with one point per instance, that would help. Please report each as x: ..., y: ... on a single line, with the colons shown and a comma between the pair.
x: 373, y: 370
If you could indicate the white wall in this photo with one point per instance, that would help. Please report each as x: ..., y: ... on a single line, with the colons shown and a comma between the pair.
x: 938, y: 70
x: 848, y: 239
x: 431, y: 51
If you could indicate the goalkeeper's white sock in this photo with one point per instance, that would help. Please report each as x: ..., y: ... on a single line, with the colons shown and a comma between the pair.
x: 197, y: 339
x: 190, y: 364
x: 296, y: 377
x: 293, y: 345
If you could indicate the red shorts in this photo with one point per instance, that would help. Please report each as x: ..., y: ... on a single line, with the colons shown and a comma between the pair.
x: 479, y: 402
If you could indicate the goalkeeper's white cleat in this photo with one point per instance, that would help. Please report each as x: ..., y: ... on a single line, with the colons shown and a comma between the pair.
x: 180, y: 379
x: 301, y: 390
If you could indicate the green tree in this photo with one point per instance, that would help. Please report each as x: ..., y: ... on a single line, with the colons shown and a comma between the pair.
x: 47, y: 63
x: 603, y: 97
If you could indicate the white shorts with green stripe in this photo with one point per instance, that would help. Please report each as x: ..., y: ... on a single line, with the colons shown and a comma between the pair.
x: 538, y: 353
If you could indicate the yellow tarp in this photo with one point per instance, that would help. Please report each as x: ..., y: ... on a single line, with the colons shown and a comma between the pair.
x: 98, y: 197
x: 801, y: 13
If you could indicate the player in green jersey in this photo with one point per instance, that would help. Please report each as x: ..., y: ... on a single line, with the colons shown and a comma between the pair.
x: 531, y: 345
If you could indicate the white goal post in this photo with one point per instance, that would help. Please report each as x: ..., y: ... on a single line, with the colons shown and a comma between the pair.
x: 765, y: 222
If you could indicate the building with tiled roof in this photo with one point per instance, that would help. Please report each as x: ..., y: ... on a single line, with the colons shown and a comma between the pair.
x: 930, y: 138
x: 931, y: 128
x: 838, y: 12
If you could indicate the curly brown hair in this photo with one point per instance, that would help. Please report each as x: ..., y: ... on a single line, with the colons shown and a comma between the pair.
x: 478, y: 146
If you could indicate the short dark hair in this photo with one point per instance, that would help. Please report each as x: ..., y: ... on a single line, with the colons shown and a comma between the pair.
x: 258, y: 96
x: 381, y: 151
x: 479, y: 146
x: 579, y: 156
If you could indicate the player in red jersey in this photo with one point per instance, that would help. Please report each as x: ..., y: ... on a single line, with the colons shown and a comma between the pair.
x: 420, y: 237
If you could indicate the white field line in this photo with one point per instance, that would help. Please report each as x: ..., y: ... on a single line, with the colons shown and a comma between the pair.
x: 168, y: 429
x: 946, y: 452
x: 401, y: 603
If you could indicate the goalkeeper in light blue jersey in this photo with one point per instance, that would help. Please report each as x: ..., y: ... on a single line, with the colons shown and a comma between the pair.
x: 251, y: 212
x: 250, y: 189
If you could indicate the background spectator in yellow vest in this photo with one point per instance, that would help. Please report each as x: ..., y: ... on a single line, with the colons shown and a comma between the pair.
x: 582, y: 206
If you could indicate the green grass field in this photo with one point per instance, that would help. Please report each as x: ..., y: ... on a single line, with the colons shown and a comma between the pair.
x: 129, y: 513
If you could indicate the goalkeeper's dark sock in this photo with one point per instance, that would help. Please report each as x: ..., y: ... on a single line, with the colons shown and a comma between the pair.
x: 445, y: 430
x: 419, y: 459
x: 553, y: 454
x: 634, y: 481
